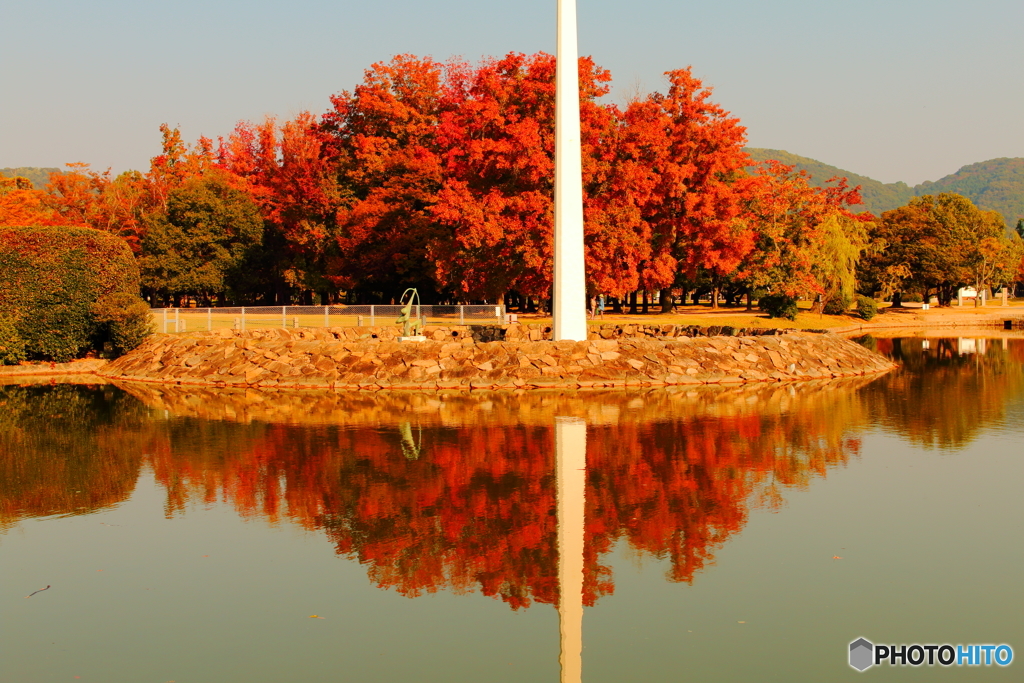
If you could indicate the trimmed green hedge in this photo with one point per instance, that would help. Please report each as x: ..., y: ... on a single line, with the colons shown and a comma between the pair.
x: 12, y: 346
x: 51, y: 279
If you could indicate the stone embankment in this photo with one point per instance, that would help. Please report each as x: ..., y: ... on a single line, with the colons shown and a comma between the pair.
x: 834, y: 398
x: 328, y: 358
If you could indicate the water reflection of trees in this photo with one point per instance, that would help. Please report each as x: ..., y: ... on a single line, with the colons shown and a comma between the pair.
x: 67, y: 449
x: 457, y: 492
x: 673, y: 475
x: 471, y: 505
x: 947, y: 390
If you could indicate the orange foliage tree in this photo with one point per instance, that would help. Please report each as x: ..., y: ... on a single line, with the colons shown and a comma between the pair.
x: 440, y: 176
x: 496, y: 201
x: 22, y: 204
x: 694, y: 150
x: 788, y: 218
x: 382, y: 137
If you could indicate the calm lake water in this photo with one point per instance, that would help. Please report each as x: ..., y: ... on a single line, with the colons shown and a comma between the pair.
x: 741, y: 534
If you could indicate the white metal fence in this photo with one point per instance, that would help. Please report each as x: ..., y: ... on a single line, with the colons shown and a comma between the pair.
x: 262, y: 317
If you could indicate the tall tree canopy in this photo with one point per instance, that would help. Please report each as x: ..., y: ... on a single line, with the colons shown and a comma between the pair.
x: 440, y: 176
x: 933, y: 244
x: 199, y: 243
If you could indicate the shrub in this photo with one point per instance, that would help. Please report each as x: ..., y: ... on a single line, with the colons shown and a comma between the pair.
x: 12, y: 346
x: 867, y: 308
x: 838, y: 305
x: 778, y: 306
x: 123, y: 320
x: 50, y: 278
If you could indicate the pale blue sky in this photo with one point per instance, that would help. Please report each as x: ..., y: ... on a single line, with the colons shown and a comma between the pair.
x: 899, y: 90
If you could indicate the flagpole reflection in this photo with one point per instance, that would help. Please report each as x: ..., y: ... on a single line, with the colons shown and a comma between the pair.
x: 570, y: 468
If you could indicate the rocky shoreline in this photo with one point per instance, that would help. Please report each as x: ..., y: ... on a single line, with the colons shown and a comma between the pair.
x: 393, y: 409
x: 329, y: 358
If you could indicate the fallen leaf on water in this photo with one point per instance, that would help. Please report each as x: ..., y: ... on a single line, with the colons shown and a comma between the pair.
x: 741, y: 622
x: 836, y: 557
x: 314, y: 616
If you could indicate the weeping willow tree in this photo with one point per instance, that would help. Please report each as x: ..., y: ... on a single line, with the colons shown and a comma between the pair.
x: 842, y: 240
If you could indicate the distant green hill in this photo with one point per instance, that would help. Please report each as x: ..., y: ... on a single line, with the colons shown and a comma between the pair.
x: 878, y: 196
x: 38, y: 176
x: 997, y: 184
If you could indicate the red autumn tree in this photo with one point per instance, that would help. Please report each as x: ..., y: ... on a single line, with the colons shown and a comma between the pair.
x: 117, y: 205
x: 694, y: 149
x: 22, y: 204
x: 496, y: 204
x: 289, y: 175
x: 382, y: 138
x: 790, y: 219
x: 74, y: 195
x: 620, y: 175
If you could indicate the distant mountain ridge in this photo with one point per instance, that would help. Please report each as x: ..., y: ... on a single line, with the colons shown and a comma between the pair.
x: 996, y: 184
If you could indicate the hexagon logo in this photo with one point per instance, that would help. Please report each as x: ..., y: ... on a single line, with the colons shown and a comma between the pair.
x: 862, y: 654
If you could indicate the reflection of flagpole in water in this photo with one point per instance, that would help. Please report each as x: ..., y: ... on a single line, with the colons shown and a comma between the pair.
x: 410, y: 446
x: 570, y: 468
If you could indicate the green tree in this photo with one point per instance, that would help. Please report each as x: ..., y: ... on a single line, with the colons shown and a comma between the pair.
x: 199, y: 245
x: 842, y: 240
x: 932, y: 245
x: 807, y: 240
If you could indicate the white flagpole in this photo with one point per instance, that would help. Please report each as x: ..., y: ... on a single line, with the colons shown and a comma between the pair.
x: 570, y: 295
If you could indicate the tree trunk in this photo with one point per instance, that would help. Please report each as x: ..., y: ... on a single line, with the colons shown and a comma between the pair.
x: 646, y: 301
x: 897, y: 300
x: 668, y: 303
x: 897, y: 349
x: 633, y: 306
x: 714, y: 297
x: 750, y: 300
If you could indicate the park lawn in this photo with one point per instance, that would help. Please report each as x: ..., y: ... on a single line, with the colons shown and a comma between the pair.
x: 705, y: 316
